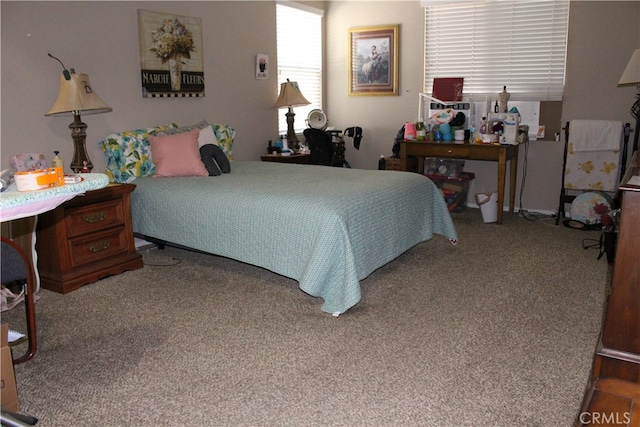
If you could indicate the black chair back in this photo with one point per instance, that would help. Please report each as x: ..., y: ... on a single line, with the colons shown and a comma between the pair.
x: 320, y: 145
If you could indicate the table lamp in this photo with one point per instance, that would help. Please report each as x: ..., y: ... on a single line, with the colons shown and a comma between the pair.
x: 76, y: 96
x: 631, y: 76
x: 290, y: 96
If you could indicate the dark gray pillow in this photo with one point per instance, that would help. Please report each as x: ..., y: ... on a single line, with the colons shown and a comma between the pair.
x: 214, y: 160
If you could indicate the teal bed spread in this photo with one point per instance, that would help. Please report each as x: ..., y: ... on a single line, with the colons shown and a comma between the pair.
x: 327, y: 228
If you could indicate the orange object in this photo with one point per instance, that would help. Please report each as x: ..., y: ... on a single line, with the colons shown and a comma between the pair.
x: 39, y: 179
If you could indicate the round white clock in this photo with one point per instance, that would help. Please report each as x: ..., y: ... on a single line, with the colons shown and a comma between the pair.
x: 317, y: 119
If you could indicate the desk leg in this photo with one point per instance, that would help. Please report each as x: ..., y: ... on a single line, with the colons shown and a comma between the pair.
x: 403, y: 157
x: 512, y: 183
x: 502, y: 171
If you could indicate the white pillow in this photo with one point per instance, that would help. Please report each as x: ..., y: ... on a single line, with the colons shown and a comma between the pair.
x: 207, y: 136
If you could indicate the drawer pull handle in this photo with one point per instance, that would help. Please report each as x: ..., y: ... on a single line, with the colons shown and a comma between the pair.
x: 100, y: 216
x: 99, y: 246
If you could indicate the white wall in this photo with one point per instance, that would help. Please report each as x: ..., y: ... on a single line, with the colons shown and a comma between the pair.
x: 602, y: 37
x: 101, y: 39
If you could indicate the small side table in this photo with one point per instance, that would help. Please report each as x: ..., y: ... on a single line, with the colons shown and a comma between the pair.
x: 87, y: 238
x: 301, y: 159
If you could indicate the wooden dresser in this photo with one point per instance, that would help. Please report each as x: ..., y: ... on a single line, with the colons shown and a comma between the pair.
x: 86, y: 239
x: 613, y: 393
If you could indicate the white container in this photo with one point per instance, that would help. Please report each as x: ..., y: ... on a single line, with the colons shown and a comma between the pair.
x: 38, y: 179
x: 28, y: 180
x: 488, y: 203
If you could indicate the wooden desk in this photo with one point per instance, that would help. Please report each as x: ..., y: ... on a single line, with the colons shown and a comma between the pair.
x: 494, y: 153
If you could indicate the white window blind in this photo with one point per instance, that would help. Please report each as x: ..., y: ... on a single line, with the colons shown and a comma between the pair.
x: 519, y: 44
x: 299, y: 42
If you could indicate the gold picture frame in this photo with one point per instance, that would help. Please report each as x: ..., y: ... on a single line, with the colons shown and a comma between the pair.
x: 373, y: 60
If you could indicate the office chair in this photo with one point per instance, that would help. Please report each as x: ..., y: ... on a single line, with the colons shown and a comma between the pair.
x: 320, y: 145
x: 323, y: 150
x: 16, y: 268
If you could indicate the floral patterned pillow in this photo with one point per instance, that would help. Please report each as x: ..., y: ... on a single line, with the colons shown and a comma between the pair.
x: 225, y: 135
x: 128, y: 153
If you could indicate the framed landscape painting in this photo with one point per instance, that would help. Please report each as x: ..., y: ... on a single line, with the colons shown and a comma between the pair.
x: 373, y: 60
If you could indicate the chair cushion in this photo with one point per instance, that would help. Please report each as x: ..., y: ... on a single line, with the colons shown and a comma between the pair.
x: 13, y: 268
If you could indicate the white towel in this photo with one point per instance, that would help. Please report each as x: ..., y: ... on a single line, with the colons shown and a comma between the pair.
x: 595, y: 135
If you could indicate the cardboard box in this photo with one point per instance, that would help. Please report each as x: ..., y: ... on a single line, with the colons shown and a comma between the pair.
x: 454, y: 190
x: 393, y: 164
x: 8, y: 389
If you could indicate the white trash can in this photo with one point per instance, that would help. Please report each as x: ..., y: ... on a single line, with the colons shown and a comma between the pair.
x: 488, y: 203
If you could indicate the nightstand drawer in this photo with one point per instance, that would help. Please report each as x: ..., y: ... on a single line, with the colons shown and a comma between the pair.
x: 99, y: 216
x: 98, y: 246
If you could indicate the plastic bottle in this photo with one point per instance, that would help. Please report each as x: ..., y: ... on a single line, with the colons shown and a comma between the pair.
x: 409, y: 131
x: 285, y: 147
x: 420, y: 131
x: 483, y: 126
x: 382, y: 163
x: 57, y: 162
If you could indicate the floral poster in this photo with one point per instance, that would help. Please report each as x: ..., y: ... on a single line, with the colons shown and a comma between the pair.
x: 170, y: 54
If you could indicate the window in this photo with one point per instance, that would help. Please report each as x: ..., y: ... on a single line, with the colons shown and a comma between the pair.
x: 518, y: 44
x: 299, y: 33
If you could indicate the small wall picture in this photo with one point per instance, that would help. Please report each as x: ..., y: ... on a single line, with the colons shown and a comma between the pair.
x: 262, y: 66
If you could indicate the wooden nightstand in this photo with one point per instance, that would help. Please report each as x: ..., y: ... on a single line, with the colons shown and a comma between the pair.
x: 302, y: 159
x: 86, y: 239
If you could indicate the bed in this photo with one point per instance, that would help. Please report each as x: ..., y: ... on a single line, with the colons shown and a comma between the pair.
x: 327, y: 228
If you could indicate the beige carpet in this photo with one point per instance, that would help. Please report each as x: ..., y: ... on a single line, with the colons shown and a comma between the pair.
x: 497, y: 331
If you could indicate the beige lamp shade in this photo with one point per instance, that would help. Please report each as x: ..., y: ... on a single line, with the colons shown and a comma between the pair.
x: 290, y: 96
x: 76, y: 96
x: 631, y: 75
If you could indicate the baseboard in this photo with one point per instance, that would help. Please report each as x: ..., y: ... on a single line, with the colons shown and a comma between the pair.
x: 517, y: 210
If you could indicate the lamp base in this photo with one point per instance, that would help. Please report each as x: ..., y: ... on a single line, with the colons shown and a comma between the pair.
x: 80, y: 161
x: 292, y: 138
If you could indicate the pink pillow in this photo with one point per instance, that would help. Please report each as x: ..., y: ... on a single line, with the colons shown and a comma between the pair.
x: 177, y: 155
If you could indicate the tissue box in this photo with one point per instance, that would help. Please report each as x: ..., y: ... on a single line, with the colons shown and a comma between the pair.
x: 9, y: 391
